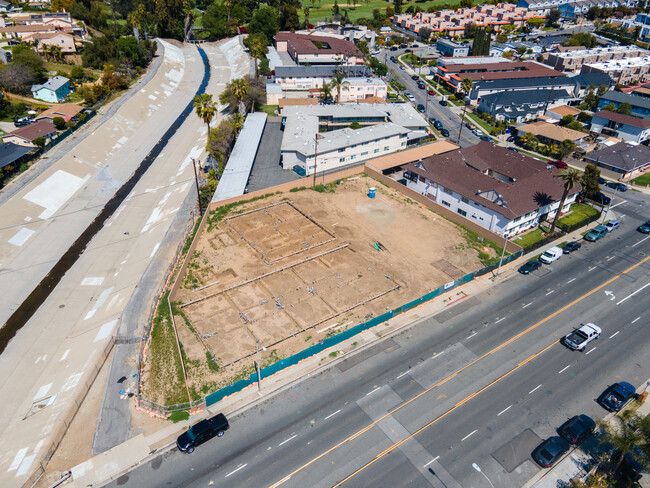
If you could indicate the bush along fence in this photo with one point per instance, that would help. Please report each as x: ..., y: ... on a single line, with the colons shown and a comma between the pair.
x: 334, y: 340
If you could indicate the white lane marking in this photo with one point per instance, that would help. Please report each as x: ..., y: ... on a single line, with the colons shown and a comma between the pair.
x: 468, y: 435
x: 632, y: 294
x: 371, y: 392
x: 103, y: 296
x: 611, y: 258
x: 65, y: 355
x: 431, y: 461
x: 564, y: 369
x: 500, y: 320
x: 617, y: 204
x: 614, y: 334
x: 92, y: 281
x: 470, y: 336
x: 527, y: 305
x: 570, y: 281
x: 591, y: 269
x: 18, y: 458
x: 331, y: 415
x: 240, y: 467
x: 591, y: 350
x: 537, y: 387
x: 155, y: 248
x: 404, y: 373
x: 504, y: 410
x: 645, y: 238
x: 290, y: 438
x: 636, y: 319
x: 552, y: 291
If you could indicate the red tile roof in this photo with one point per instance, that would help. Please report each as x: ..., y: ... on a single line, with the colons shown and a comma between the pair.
x: 521, y: 181
x: 304, y: 44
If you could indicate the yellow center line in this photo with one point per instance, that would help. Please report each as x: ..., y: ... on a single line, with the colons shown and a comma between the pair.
x: 452, y: 375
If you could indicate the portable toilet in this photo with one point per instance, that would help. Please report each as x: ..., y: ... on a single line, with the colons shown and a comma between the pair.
x: 371, y: 192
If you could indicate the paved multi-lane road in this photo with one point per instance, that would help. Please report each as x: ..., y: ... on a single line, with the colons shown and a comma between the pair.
x: 483, y: 382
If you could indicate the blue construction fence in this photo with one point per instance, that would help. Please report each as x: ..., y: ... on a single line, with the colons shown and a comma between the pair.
x: 219, y: 395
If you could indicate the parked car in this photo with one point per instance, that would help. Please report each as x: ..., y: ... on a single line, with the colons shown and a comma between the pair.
x: 415, y: 77
x: 23, y: 121
x: 601, y: 180
x: 553, y: 254
x: 569, y: 247
x: 410, y: 97
x: 402, y: 67
x: 596, y: 233
x: 431, y: 92
x: 420, y: 107
x: 487, y: 138
x: 444, y: 132
x: 443, y: 102
x: 616, y: 185
x: 579, y: 338
x: 549, y: 451
x: 577, y: 429
x: 202, y: 432
x: 612, y: 225
x: 421, y: 86
x: 468, y: 125
x: 477, y: 133
x: 403, y: 46
x: 558, y: 164
x: 438, y: 125
x: 601, y: 198
x: 511, y: 139
x: 393, y: 48
x: 644, y: 228
x: 529, y: 267
x: 615, y: 396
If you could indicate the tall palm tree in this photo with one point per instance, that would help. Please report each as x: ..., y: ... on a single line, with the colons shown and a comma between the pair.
x: 465, y: 86
x: 205, y: 108
x: 571, y: 177
x: 337, y: 83
x: 239, y: 88
x: 625, y: 436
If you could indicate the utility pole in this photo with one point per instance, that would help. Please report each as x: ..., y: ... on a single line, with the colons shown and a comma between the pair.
x: 196, y: 180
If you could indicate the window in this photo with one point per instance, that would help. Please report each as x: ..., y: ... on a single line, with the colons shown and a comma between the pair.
x: 386, y: 148
x: 354, y: 156
x: 462, y: 212
x: 421, y: 178
x: 364, y: 153
x: 341, y: 160
x: 342, y: 150
x: 445, y: 203
x: 464, y: 200
x: 376, y: 151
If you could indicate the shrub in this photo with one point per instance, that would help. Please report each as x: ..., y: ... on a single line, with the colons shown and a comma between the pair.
x: 179, y: 416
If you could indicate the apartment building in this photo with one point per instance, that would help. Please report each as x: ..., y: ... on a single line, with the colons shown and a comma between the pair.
x: 628, y: 71
x: 318, y: 50
x: 572, y: 61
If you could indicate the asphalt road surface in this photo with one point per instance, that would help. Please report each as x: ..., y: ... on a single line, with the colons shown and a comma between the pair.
x: 483, y: 382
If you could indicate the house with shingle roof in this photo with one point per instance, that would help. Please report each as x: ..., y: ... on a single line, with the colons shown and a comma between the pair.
x: 54, y: 90
x: 25, y: 136
x: 625, y: 127
x: 627, y: 159
x: 318, y: 50
x: 67, y: 111
x: 504, y: 191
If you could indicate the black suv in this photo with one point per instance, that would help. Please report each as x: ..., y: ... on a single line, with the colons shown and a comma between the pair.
x: 201, y: 432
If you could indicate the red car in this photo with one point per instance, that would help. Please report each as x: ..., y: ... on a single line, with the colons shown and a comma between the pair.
x: 431, y: 92
x: 558, y: 164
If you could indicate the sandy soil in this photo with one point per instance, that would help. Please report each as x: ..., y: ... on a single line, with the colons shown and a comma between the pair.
x: 289, y: 270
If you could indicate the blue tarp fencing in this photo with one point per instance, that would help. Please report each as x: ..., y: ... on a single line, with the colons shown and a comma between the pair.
x: 219, y: 395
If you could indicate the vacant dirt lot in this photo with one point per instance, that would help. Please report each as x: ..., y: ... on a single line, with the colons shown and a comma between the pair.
x: 288, y: 270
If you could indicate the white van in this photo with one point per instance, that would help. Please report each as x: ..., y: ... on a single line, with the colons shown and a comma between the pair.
x: 553, y: 254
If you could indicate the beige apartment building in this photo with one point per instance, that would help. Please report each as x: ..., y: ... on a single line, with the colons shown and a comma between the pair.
x: 572, y: 61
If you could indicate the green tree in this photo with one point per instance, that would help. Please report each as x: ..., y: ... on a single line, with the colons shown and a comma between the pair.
x: 502, y: 37
x: 335, y: 8
x: 624, y: 435
x: 570, y: 177
x: 553, y: 17
x: 264, y: 21
x: 466, y: 3
x: 39, y: 141
x: 170, y: 17
x: 566, y: 120
x: 257, y: 46
x: 425, y: 33
x: 289, y: 20
x: 624, y: 108
x: 566, y: 147
x: 398, y: 6
x: 610, y: 107
x: 337, y: 82
x: 481, y: 44
x: 582, y: 39
x: 215, y: 21
x: 589, y: 181
x: 59, y: 122
x: 205, y: 108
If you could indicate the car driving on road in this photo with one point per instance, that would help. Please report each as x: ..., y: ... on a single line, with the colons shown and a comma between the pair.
x: 579, y: 338
x: 202, y: 432
x: 644, y: 228
x: 616, y: 185
x: 615, y: 396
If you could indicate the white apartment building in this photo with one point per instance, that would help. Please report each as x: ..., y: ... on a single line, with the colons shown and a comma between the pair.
x: 626, y: 71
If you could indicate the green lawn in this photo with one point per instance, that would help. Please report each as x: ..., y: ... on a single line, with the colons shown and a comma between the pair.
x: 530, y: 238
x: 643, y: 180
x: 320, y: 10
x: 480, y: 122
x: 579, y: 212
x: 269, y: 109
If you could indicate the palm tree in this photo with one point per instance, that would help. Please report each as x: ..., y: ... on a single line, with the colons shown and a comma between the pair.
x: 571, y: 178
x: 337, y: 82
x: 239, y: 88
x: 466, y: 86
x: 326, y: 92
x: 625, y: 436
x: 237, y: 122
x: 205, y: 108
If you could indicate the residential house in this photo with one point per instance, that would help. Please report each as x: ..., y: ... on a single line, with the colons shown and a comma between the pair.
x: 452, y: 49
x: 318, y: 50
x: 625, y: 127
x: 67, y: 111
x: 560, y: 111
x: 13, y: 154
x: 504, y: 191
x: 642, y: 21
x: 21, y: 31
x: 585, y: 81
x: 25, y: 136
x: 559, y: 83
x: 639, y: 105
x: 551, y: 133
x: 54, y: 90
x: 61, y: 39
x: 629, y: 160
x: 521, y: 106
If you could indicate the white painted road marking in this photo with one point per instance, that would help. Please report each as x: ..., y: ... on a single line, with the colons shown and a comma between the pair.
x: 591, y: 350
x: 285, y: 441
x: 611, y: 258
x: 591, y: 269
x: 468, y: 435
x: 570, y: 281
x: 614, y: 334
x: 636, y: 319
x: 331, y: 415
x: 431, y: 461
x: 563, y: 370
x: 527, y: 305
x: 504, y: 410
x: 470, y: 336
x: 644, y: 239
x: 552, y: 291
x: 240, y: 467
x: 537, y: 387
x: 500, y: 320
x: 371, y: 392
x: 404, y: 373
x: 632, y: 294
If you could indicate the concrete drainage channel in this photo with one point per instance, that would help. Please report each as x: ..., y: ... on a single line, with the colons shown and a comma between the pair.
x: 38, y: 296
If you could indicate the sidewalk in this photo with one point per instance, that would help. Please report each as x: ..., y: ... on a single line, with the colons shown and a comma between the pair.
x: 112, y: 464
x: 571, y: 465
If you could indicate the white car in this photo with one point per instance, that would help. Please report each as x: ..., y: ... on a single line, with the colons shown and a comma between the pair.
x: 579, y: 338
x: 477, y: 133
x: 410, y: 97
x: 553, y: 254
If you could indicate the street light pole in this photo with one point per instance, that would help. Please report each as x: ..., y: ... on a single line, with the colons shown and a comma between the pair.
x: 196, y: 180
x: 505, y: 244
x: 259, y: 373
x: 478, y: 468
